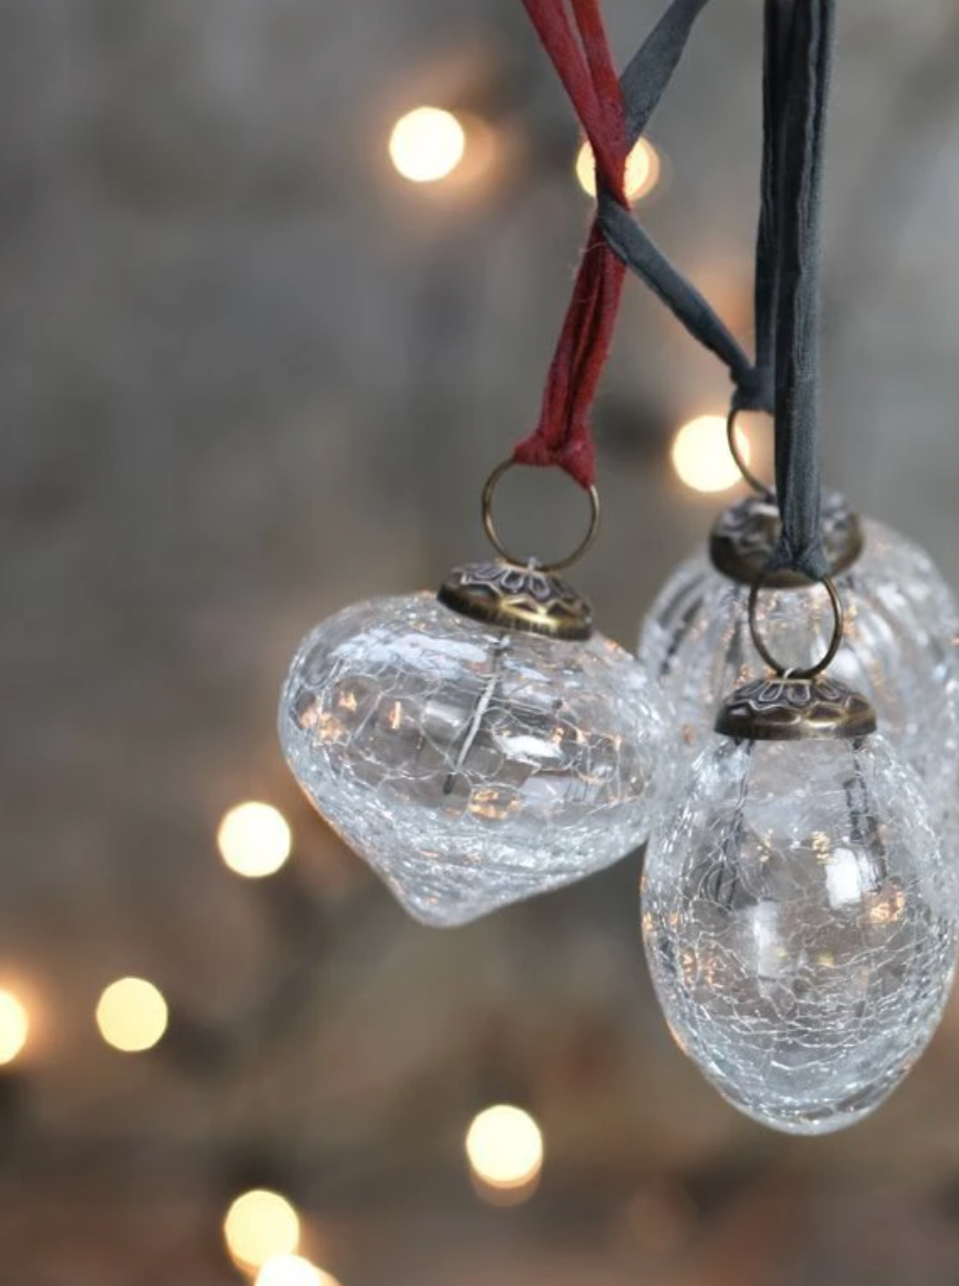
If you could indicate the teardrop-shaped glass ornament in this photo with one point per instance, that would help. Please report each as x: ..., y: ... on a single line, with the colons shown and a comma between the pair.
x: 799, y: 918
x: 899, y: 648
x: 477, y: 748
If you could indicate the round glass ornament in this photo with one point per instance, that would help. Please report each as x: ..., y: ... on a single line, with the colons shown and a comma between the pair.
x: 900, y: 647
x: 799, y: 919
x: 475, y: 747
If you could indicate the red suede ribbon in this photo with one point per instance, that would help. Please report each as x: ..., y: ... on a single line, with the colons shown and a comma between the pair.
x: 585, y: 66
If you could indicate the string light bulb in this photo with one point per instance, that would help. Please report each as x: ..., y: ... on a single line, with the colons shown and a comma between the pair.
x: 262, y: 1226
x: 504, y: 1147
x: 254, y: 840
x: 293, y: 1270
x: 14, y: 1026
x: 132, y: 1015
x: 427, y: 144
x: 642, y: 173
x: 701, y: 456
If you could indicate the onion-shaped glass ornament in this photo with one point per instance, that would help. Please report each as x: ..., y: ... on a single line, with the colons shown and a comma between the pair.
x: 478, y: 746
x: 899, y: 648
x: 799, y: 918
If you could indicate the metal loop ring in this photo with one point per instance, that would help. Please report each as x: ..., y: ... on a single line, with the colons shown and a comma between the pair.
x: 488, y: 526
x: 834, y: 643
x: 748, y: 476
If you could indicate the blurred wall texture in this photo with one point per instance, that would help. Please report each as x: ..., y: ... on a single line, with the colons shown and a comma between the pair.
x: 249, y: 374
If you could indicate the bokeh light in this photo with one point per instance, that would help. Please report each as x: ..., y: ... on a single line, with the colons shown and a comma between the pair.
x: 643, y: 168
x: 293, y: 1270
x: 288, y: 1270
x: 701, y: 455
x: 260, y: 1226
x: 427, y: 144
x: 14, y: 1026
x: 504, y: 1146
x: 132, y: 1015
x: 254, y: 840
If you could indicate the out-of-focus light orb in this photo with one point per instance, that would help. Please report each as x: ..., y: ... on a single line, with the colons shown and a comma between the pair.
x: 427, y: 144
x: 701, y: 456
x: 132, y: 1015
x: 254, y: 840
x: 262, y: 1226
x: 504, y: 1146
x: 14, y: 1026
x: 643, y: 168
x: 293, y: 1270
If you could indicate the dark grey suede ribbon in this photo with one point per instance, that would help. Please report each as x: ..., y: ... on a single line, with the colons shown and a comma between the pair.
x: 808, y: 42
x: 784, y: 378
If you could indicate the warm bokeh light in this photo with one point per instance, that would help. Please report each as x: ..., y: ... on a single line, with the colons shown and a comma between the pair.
x: 261, y: 1226
x: 293, y: 1270
x: 254, y: 840
x: 132, y: 1015
x: 701, y: 455
x: 504, y: 1146
x: 427, y: 144
x: 643, y: 169
x: 14, y: 1026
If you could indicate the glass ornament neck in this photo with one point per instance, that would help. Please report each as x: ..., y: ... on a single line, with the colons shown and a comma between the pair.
x: 744, y: 537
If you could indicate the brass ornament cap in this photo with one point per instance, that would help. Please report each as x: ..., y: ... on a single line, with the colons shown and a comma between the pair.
x: 518, y: 598
x: 744, y: 536
x: 786, y: 709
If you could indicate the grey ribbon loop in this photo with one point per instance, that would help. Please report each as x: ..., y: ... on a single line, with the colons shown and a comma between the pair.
x: 630, y: 243
x: 756, y: 390
x: 784, y: 379
x: 798, y: 305
x: 652, y: 66
x: 642, y: 84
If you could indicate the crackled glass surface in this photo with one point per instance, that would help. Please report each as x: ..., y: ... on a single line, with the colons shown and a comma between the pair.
x: 800, y: 924
x: 471, y: 766
x: 899, y: 648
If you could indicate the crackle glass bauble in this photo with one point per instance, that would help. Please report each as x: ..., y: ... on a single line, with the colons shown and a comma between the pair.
x: 899, y: 647
x: 800, y: 923
x: 471, y: 765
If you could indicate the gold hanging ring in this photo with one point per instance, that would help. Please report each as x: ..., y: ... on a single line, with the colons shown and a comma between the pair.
x: 835, y: 642
x: 492, y: 482
x: 748, y: 476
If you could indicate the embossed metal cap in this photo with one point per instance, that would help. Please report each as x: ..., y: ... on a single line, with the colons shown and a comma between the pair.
x: 745, y: 535
x: 786, y: 709
x: 518, y: 598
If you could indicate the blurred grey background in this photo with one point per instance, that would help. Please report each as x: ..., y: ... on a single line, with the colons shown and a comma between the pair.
x: 249, y: 375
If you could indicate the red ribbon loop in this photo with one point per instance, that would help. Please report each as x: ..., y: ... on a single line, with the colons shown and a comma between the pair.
x: 585, y: 66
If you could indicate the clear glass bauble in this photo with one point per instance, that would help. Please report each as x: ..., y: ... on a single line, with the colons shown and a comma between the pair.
x: 899, y: 647
x: 800, y: 924
x: 471, y: 765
